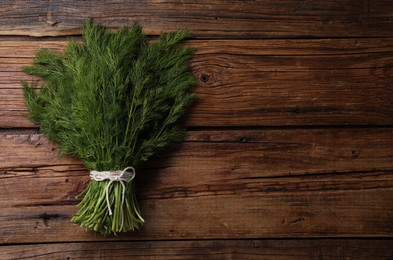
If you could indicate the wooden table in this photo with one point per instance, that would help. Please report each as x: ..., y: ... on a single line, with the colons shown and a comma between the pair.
x: 289, y: 153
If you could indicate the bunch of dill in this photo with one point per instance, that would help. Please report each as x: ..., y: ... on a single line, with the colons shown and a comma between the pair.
x: 113, y: 101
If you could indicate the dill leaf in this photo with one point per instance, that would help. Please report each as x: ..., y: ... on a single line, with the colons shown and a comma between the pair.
x: 113, y: 101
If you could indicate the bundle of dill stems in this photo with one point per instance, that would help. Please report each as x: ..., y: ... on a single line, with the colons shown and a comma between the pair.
x: 113, y: 101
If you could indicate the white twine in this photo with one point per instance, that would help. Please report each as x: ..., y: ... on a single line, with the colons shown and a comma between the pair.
x: 125, y: 175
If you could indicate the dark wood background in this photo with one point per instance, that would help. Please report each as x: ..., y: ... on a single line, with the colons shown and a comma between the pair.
x: 290, y: 148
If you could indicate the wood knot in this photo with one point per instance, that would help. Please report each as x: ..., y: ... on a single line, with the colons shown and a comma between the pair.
x: 298, y: 220
x: 204, y: 78
x: 243, y: 139
x: 49, y: 20
x: 297, y: 110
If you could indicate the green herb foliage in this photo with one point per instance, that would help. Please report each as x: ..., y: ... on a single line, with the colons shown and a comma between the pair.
x: 113, y: 101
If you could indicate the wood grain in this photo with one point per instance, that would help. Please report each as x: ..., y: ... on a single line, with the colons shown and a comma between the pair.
x: 210, y: 249
x: 256, y: 82
x: 217, y: 184
x: 234, y: 19
x: 270, y: 169
x: 246, y: 152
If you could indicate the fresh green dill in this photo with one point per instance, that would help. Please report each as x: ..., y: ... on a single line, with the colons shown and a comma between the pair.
x: 113, y: 101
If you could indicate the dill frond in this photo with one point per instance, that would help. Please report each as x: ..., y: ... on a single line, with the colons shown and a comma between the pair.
x: 113, y: 101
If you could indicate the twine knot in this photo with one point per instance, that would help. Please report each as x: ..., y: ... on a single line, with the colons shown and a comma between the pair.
x: 122, y: 176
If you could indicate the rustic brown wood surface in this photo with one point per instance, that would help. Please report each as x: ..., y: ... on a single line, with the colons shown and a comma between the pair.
x: 257, y: 82
x: 251, y: 19
x: 214, y: 249
x: 216, y: 184
x: 290, y: 148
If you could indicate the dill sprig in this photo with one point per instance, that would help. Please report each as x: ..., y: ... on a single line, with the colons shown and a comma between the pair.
x: 113, y: 101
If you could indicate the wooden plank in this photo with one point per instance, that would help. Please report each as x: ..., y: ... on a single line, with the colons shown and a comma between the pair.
x: 217, y: 184
x: 341, y: 213
x: 246, y: 19
x: 257, y: 82
x: 210, y: 249
x: 247, y: 152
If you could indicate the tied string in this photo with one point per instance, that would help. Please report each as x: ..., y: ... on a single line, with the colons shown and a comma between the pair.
x: 123, y: 176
